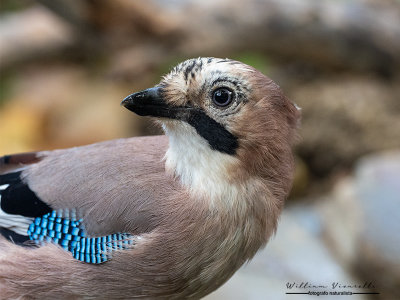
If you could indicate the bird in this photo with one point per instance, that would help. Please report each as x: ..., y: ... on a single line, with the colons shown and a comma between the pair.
x: 166, y: 217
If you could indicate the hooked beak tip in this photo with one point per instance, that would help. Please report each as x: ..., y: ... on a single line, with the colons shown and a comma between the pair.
x: 126, y: 101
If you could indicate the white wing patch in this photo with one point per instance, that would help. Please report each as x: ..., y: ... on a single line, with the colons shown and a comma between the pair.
x: 16, y: 223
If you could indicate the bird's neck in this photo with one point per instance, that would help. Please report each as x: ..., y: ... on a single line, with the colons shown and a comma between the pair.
x: 208, y: 174
x: 200, y: 169
x: 244, y: 211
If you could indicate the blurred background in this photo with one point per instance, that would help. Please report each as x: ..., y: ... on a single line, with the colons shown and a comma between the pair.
x: 66, y: 65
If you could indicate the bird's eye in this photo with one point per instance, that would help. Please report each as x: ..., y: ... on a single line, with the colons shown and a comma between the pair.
x: 222, y: 97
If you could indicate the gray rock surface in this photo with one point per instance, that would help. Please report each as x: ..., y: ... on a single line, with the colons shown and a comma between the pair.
x: 361, y: 222
x: 378, y: 188
x: 31, y: 34
x: 295, y: 255
x: 342, y: 223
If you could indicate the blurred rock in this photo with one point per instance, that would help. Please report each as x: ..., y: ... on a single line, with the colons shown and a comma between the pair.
x: 135, y: 64
x: 339, y: 35
x: 378, y: 188
x: 295, y: 254
x: 330, y: 35
x: 63, y: 106
x: 361, y: 222
x: 104, y: 26
x: 32, y: 34
x: 341, y: 216
x: 344, y: 118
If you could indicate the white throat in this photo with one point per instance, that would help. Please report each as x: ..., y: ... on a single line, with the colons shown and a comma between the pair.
x: 199, y: 168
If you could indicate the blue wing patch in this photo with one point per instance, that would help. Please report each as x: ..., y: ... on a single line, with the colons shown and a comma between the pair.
x: 70, y: 235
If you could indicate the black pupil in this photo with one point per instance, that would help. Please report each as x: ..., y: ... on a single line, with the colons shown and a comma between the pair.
x: 222, y: 97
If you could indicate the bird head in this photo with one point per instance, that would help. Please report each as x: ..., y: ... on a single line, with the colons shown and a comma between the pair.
x: 226, y: 122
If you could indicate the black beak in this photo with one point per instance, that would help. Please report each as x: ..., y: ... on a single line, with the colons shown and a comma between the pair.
x: 148, y: 103
x: 151, y: 102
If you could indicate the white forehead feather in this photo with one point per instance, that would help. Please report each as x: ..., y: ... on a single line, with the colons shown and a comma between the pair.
x: 198, y: 70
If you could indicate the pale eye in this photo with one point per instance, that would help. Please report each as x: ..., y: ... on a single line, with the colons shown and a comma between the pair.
x: 222, y: 97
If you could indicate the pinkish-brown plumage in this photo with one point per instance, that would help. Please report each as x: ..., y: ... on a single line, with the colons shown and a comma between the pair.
x: 197, y: 209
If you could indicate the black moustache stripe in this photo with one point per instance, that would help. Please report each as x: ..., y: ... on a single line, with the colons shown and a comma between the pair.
x: 213, y: 132
x: 150, y: 102
x: 216, y: 135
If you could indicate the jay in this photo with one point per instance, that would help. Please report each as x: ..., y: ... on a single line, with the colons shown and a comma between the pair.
x: 170, y: 216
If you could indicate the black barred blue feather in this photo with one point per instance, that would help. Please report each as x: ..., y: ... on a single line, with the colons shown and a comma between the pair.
x: 24, y: 217
x: 71, y: 236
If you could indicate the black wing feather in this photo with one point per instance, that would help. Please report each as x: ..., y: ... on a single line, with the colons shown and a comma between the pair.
x: 16, y: 238
x: 19, y: 199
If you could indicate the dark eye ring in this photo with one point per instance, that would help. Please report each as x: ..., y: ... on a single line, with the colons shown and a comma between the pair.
x: 222, y: 97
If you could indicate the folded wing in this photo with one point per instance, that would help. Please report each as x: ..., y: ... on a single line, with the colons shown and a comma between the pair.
x: 90, y: 200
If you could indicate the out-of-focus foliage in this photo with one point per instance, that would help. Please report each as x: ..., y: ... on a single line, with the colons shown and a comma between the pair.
x: 7, y: 6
